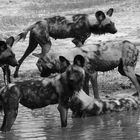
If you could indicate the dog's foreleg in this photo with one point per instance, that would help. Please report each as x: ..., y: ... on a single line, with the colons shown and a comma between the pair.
x: 86, y: 84
x: 95, y: 85
x: 6, y: 74
x: 63, y: 114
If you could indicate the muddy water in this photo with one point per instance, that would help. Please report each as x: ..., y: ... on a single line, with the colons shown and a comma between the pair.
x: 44, y: 124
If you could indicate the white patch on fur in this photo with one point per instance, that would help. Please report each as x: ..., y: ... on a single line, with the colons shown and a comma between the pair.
x: 46, y: 81
x: 3, y: 88
x: 87, y: 101
x: 117, y: 102
x: 11, y: 85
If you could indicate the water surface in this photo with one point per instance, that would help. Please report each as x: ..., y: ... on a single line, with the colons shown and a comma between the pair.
x: 44, y: 124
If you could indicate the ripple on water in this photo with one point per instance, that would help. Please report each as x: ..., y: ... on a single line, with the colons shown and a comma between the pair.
x: 44, y: 124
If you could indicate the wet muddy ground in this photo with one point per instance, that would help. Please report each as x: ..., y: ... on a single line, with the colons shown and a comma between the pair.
x: 45, y: 123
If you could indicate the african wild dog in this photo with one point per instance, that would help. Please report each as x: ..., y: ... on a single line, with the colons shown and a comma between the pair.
x: 79, y: 27
x: 52, y: 63
x: 83, y: 105
x: 7, y: 57
x: 40, y: 93
x: 100, y: 57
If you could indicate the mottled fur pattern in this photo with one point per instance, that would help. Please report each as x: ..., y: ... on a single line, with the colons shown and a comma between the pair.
x: 52, y: 63
x: 104, y: 57
x: 83, y: 105
x: 79, y: 27
x: 40, y: 93
x: 7, y: 57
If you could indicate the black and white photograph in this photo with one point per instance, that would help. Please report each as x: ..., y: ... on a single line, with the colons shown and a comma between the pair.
x: 69, y: 69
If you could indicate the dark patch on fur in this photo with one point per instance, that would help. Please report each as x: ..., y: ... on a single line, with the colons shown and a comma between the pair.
x: 79, y: 60
x: 3, y: 46
x: 120, y: 68
x: 37, y: 94
x: 59, y: 27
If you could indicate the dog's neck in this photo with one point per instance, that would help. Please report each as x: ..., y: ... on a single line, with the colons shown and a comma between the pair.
x: 95, y: 25
x: 64, y: 81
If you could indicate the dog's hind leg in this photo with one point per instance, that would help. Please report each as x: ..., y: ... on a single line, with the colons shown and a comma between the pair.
x: 129, y: 71
x: 45, y: 44
x: 10, y: 113
x: 32, y: 45
x: 128, y: 63
x: 120, y: 68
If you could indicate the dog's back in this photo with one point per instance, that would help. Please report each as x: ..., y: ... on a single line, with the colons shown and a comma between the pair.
x: 102, y: 56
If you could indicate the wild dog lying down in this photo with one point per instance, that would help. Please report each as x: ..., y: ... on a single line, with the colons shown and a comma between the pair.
x: 7, y: 57
x: 99, y: 57
x: 40, y: 93
x: 83, y: 105
x: 79, y: 27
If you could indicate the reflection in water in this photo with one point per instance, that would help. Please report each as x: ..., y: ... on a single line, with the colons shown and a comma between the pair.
x: 44, y: 124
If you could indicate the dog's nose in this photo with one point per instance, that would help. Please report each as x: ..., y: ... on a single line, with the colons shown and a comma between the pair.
x: 115, y: 31
x: 71, y: 80
x: 14, y: 63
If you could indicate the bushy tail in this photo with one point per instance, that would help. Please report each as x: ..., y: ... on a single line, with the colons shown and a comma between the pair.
x: 24, y: 33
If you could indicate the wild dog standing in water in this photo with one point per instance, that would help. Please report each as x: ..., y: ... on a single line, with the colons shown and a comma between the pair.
x: 79, y: 27
x: 40, y: 93
x: 99, y: 57
x: 7, y: 57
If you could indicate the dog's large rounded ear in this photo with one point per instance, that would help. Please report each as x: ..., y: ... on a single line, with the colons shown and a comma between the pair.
x: 63, y: 59
x: 110, y: 12
x: 3, y: 46
x: 79, y: 60
x: 100, y: 16
x: 10, y: 41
